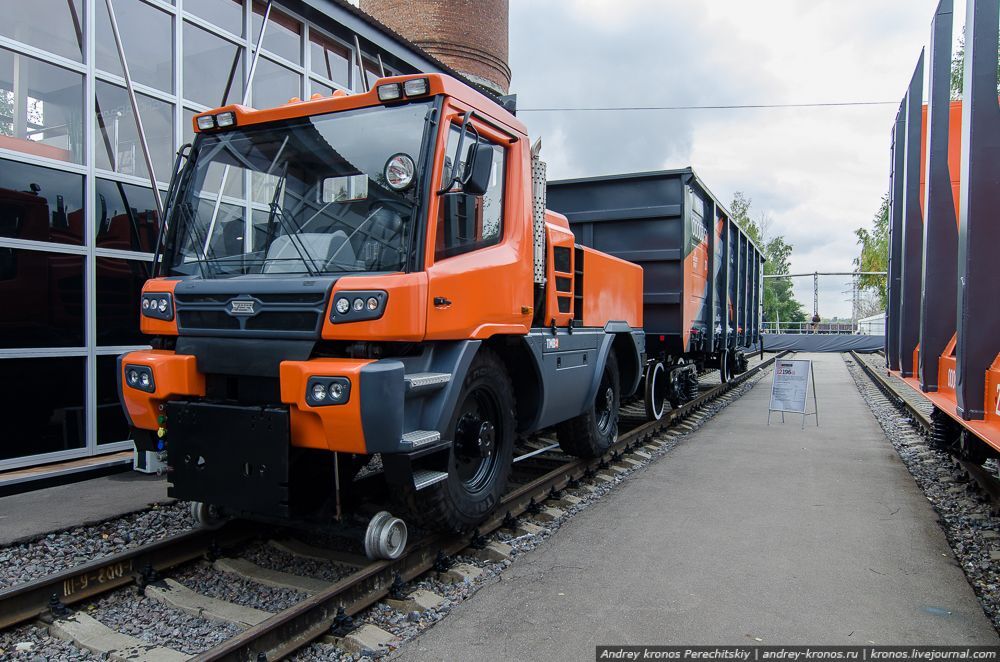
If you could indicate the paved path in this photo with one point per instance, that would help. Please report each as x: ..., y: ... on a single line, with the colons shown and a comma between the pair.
x: 32, y: 513
x: 743, y: 534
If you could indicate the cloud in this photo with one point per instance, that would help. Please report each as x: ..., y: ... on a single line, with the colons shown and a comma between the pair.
x: 818, y: 173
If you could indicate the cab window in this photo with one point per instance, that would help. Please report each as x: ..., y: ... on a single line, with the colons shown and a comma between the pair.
x: 469, y: 222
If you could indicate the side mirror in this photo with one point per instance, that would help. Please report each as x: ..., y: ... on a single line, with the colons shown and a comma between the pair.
x: 478, y: 169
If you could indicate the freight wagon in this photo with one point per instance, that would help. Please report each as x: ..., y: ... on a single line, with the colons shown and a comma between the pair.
x: 943, y: 322
x: 702, y: 273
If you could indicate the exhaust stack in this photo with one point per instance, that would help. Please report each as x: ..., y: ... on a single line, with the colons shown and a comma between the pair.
x: 538, y: 185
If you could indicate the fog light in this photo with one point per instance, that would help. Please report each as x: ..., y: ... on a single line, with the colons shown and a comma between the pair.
x: 416, y: 87
x: 319, y: 392
x: 389, y: 92
x: 206, y: 122
x: 372, y: 303
x: 336, y: 390
x: 359, y: 304
x: 343, y: 305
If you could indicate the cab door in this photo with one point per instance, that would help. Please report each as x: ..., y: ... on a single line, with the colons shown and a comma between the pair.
x: 479, y: 271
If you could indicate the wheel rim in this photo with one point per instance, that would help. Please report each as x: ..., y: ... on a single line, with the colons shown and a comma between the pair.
x: 659, y: 390
x: 604, y: 405
x: 479, y: 428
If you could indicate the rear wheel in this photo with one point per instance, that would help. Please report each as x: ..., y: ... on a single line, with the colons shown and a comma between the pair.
x: 592, y: 432
x: 482, y: 434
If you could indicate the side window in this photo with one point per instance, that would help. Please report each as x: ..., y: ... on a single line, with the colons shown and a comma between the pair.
x: 469, y: 222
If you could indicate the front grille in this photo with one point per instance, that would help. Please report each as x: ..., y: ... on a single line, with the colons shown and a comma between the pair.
x: 282, y: 321
x: 264, y: 314
x: 206, y: 319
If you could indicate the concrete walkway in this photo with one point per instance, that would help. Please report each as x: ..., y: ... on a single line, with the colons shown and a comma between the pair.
x: 48, y: 509
x: 743, y: 534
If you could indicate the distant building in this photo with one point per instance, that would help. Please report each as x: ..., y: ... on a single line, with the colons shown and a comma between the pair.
x: 77, y: 219
x: 872, y: 326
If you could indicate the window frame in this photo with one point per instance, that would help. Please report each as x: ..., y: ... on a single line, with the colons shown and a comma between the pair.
x: 446, y: 253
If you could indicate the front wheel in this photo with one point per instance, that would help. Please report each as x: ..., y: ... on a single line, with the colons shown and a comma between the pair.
x: 592, y: 432
x: 482, y: 434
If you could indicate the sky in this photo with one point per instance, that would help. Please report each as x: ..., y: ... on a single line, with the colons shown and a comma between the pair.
x: 817, y: 173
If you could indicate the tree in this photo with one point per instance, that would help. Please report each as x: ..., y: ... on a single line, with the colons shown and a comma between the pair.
x: 874, y: 254
x: 780, y: 304
x: 958, y: 68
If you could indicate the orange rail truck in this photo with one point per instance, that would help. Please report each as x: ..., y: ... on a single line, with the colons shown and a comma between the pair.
x: 377, y: 304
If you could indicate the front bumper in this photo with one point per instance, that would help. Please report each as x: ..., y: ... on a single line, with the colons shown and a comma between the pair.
x: 370, y: 421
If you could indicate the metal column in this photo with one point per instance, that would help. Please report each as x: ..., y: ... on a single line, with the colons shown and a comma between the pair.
x: 895, y: 237
x: 979, y: 232
x: 911, y: 268
x: 940, y: 239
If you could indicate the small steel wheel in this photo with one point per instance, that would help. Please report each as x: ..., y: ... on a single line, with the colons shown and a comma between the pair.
x: 386, y: 537
x: 655, y: 396
x: 206, y: 515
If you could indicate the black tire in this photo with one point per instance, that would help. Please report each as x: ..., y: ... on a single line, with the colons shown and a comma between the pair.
x: 475, y: 482
x: 655, y: 391
x: 592, y: 432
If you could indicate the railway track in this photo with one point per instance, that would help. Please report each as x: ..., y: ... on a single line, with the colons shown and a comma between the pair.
x: 546, y: 472
x: 919, y: 411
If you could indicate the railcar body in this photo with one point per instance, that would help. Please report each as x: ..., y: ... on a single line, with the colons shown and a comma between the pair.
x: 942, y: 322
x: 702, y: 272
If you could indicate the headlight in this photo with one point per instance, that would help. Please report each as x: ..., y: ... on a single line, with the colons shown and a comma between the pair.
x: 158, y: 305
x: 323, y: 391
x: 416, y: 87
x: 358, y: 306
x: 140, y: 377
x: 399, y: 171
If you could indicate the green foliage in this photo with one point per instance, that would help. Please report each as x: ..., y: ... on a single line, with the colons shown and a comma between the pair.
x: 874, y: 254
x: 779, y: 301
x: 958, y: 68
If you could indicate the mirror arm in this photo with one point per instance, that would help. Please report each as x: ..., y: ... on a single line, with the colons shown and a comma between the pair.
x: 457, y: 179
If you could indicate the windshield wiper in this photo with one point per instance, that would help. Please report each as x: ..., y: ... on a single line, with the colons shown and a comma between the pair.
x: 292, y: 233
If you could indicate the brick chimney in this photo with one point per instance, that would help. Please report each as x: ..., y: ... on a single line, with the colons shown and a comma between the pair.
x: 469, y: 36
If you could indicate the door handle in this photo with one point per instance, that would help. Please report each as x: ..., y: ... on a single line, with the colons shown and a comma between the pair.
x: 441, y: 302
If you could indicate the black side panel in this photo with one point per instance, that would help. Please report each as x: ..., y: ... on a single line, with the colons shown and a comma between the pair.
x: 236, y: 457
x: 940, y: 263
x: 248, y: 357
x: 913, y: 227
x: 567, y: 363
x: 895, y: 237
x: 382, y: 395
x: 979, y: 232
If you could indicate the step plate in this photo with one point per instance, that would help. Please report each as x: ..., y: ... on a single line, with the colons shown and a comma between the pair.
x: 418, y: 438
x: 421, y: 380
x: 425, y: 478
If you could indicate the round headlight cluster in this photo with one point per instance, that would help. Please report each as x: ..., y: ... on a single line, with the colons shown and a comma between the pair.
x: 399, y: 171
x: 327, y: 391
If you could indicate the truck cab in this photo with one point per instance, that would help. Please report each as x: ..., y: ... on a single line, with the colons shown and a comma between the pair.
x: 361, y: 297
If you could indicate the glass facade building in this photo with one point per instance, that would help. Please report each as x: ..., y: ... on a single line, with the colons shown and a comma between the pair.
x: 78, y: 222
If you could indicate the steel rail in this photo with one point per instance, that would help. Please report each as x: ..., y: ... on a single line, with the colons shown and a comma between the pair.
x: 313, y: 617
x: 987, y: 481
x: 34, y: 598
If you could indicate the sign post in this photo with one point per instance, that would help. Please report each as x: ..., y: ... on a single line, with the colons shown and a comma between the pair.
x: 790, y: 389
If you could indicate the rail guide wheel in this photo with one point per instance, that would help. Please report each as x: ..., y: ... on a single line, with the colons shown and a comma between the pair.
x: 657, y: 385
x: 206, y: 515
x: 385, y: 537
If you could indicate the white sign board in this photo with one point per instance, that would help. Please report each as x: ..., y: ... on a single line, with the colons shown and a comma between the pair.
x: 790, y: 385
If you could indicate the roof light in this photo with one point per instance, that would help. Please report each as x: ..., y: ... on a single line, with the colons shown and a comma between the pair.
x: 416, y: 87
x: 206, y: 122
x: 225, y: 119
x: 390, y: 92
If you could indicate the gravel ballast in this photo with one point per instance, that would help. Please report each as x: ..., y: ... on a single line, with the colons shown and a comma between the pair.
x: 57, y: 551
x: 33, y: 643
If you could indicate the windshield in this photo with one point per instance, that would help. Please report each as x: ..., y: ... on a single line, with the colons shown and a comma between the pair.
x: 304, y: 196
